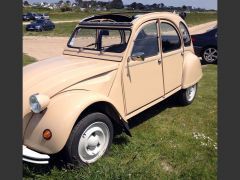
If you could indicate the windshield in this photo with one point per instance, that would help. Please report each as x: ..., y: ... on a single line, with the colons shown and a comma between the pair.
x: 104, y: 40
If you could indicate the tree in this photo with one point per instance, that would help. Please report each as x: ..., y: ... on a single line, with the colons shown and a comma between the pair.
x: 184, y: 8
x: 133, y: 5
x: 25, y: 3
x: 140, y: 6
x: 68, y: 2
x: 79, y: 2
x: 60, y: 2
x: 116, y: 4
x: 162, y: 5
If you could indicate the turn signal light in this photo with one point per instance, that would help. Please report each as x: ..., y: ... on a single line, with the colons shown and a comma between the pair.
x: 47, y: 134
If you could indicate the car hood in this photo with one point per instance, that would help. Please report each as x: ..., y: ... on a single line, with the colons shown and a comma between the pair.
x: 53, y: 75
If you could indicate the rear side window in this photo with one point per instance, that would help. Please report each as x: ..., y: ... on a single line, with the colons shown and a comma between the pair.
x: 185, y: 34
x: 170, y: 38
x: 147, y: 41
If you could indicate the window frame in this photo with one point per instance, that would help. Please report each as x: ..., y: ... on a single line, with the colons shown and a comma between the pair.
x: 158, y: 39
x: 97, y: 30
x: 187, y: 32
x: 178, y: 33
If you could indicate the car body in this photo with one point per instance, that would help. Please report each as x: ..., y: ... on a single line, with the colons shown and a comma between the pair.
x: 29, y: 16
x: 40, y: 25
x: 37, y: 16
x: 44, y: 16
x: 205, y: 45
x: 113, y: 68
x: 26, y: 17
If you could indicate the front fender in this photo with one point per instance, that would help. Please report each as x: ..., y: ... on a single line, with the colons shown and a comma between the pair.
x: 192, y: 70
x: 60, y: 117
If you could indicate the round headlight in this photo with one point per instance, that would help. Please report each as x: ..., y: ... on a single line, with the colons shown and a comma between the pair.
x: 38, y: 102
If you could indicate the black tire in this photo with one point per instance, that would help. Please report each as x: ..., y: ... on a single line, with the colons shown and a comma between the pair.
x: 71, y: 147
x: 39, y: 30
x: 183, y: 97
x: 212, y: 60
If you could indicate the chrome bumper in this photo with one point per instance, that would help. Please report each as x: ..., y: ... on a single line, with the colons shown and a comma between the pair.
x: 34, y: 157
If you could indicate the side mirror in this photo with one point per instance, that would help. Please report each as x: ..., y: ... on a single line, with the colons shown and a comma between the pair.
x: 138, y: 56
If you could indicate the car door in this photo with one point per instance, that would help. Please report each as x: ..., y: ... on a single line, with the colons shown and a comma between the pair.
x: 172, y: 55
x: 143, y: 79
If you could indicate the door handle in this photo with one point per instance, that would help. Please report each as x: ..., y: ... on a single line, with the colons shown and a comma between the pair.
x: 182, y: 53
x: 160, y: 60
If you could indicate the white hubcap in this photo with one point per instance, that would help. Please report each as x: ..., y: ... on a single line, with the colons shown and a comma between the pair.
x: 93, y: 142
x: 210, y: 55
x: 190, y: 92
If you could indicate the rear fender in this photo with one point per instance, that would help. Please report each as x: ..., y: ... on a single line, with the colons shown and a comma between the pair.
x: 192, y: 70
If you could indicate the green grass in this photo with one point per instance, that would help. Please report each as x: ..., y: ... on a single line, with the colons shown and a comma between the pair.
x: 28, y: 59
x: 65, y: 29
x: 200, y: 18
x: 163, y: 144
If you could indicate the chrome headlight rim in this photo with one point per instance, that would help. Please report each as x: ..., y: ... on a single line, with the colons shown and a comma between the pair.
x: 38, y: 102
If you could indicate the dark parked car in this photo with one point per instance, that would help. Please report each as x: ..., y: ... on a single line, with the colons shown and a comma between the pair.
x: 40, y: 25
x: 25, y: 17
x: 28, y: 16
x: 205, y: 45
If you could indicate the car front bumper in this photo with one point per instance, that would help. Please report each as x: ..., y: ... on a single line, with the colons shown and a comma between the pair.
x: 34, y: 157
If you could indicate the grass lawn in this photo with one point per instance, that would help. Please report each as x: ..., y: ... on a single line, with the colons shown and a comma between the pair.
x: 169, y: 142
x: 28, y: 59
x: 65, y: 29
x: 200, y: 18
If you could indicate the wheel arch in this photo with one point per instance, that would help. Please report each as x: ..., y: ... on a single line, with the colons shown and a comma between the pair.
x: 192, y: 70
x: 108, y: 109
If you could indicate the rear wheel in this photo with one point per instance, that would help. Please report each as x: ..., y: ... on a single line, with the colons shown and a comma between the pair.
x: 90, y: 139
x: 210, y: 55
x: 186, y: 96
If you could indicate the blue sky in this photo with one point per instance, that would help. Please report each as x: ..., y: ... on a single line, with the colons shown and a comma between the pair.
x: 207, y: 4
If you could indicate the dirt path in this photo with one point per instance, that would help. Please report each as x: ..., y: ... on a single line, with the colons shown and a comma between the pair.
x: 202, y: 27
x: 42, y: 47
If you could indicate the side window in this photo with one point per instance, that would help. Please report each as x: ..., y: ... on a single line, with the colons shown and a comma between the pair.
x: 185, y: 34
x: 147, y: 41
x: 170, y: 38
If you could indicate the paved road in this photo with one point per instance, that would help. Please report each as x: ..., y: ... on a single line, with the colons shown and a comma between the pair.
x: 41, y: 47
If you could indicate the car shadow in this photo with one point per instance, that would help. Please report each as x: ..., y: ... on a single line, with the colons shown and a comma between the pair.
x: 153, y: 111
x: 57, y: 161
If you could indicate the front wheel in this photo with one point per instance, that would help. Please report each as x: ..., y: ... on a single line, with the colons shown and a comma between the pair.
x: 186, y: 96
x: 90, y: 139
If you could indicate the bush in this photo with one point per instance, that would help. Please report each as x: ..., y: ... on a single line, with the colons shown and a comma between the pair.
x: 65, y: 8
